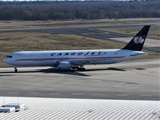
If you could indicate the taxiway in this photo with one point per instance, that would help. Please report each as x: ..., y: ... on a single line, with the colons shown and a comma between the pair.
x: 132, y: 80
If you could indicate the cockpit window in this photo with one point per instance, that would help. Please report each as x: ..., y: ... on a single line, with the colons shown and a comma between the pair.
x: 9, y: 57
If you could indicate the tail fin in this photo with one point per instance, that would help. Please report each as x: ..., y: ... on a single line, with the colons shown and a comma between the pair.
x: 138, y: 40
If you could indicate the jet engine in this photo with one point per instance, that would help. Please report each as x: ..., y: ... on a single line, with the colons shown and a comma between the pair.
x: 64, y: 65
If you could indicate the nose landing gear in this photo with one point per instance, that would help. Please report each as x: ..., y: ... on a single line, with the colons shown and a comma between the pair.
x: 15, y: 69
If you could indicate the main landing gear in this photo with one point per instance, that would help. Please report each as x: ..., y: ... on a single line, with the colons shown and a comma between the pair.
x: 79, y: 68
x: 15, y: 69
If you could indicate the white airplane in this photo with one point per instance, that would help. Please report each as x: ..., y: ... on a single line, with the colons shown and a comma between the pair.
x: 76, y: 59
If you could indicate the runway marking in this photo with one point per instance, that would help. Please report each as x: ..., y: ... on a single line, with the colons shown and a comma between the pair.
x: 12, y: 92
x: 76, y: 94
x: 146, y: 95
x: 54, y: 93
x: 122, y: 94
x: 99, y: 94
x: 33, y: 93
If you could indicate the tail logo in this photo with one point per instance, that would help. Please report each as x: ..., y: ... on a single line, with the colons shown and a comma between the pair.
x: 138, y: 40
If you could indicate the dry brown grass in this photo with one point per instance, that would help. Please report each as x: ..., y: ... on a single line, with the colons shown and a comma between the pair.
x: 50, y: 23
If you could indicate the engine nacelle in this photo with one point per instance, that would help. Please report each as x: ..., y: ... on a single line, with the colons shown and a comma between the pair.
x: 64, y: 65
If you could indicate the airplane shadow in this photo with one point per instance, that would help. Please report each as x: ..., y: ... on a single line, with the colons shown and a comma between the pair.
x: 106, y: 69
x: 49, y: 70
x: 70, y: 72
x: 77, y: 73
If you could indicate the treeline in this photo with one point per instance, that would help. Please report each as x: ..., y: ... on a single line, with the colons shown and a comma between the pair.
x: 77, y: 10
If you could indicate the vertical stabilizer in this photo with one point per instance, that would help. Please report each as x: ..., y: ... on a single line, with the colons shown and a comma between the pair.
x: 138, y: 40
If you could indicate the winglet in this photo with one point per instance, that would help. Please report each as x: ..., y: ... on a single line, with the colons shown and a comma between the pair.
x: 138, y: 40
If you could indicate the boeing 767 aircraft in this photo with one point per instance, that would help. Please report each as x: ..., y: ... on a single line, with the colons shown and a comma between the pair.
x: 76, y: 59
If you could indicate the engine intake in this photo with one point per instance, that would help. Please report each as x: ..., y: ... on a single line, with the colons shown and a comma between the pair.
x: 64, y: 65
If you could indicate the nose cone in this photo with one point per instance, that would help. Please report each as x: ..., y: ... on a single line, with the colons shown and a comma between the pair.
x: 8, y: 59
x: 4, y: 60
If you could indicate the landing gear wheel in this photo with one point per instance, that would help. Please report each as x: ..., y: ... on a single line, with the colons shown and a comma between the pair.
x: 15, y: 69
x: 81, y: 69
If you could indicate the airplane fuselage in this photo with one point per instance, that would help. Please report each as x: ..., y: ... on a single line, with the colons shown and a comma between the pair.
x: 50, y: 58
